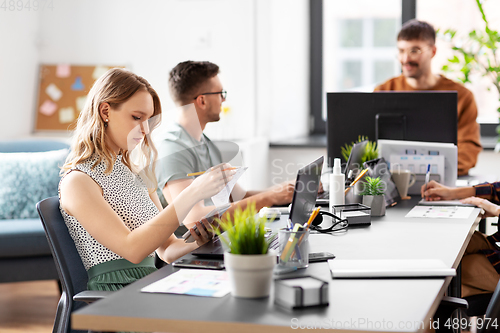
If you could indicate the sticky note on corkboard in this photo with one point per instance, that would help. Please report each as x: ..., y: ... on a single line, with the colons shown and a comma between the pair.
x: 63, y: 88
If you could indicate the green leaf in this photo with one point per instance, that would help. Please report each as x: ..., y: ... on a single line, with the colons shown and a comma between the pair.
x: 245, y: 231
x: 373, y: 186
x: 371, y: 152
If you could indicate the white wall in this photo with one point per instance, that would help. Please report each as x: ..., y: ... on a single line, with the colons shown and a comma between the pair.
x: 260, y: 45
x: 283, y: 68
x: 18, y: 71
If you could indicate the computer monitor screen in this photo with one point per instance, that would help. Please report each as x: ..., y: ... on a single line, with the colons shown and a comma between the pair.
x: 306, y: 191
x: 429, y: 116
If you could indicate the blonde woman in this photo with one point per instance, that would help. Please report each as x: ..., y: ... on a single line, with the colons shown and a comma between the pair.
x: 115, y: 220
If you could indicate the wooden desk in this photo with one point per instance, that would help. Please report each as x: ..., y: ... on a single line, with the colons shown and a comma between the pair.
x: 392, y: 305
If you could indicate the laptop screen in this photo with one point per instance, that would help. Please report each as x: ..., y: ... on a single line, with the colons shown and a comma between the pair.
x: 306, y: 191
x: 354, y: 162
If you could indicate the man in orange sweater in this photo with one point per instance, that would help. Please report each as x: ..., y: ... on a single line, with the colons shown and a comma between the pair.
x: 416, y: 48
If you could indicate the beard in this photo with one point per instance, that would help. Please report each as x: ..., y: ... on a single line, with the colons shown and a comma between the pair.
x: 415, y: 71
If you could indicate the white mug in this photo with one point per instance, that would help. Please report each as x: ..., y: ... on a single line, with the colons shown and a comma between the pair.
x: 403, y: 179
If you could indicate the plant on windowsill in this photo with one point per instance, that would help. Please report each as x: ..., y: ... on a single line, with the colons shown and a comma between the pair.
x: 249, y: 262
x: 477, y: 53
x: 373, y: 195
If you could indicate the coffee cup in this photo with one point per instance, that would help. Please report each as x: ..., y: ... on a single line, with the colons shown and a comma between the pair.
x: 403, y: 179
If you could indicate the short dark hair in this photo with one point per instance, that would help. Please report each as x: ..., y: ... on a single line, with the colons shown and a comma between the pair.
x: 187, y: 77
x: 417, y: 30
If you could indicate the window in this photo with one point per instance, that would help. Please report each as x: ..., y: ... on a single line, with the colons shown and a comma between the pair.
x: 463, y: 16
x: 353, y: 46
x: 358, y: 48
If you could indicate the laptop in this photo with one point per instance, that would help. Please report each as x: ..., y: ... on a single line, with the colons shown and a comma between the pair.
x: 303, y: 203
x: 354, y: 164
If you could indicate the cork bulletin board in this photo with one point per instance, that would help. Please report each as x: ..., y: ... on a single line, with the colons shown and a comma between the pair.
x: 62, y: 92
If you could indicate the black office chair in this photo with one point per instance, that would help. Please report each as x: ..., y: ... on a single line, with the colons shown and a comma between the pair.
x: 482, y: 305
x: 72, y: 274
x: 487, y: 305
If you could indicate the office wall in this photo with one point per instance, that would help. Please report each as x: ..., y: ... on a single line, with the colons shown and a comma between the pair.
x: 151, y: 37
x: 283, y: 68
x: 259, y: 45
x: 18, y: 64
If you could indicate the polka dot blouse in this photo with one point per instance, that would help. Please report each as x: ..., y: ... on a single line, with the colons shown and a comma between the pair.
x: 127, y: 195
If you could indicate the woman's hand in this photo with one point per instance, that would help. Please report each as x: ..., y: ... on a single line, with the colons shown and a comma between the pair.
x: 212, y: 181
x: 206, y: 232
x: 490, y: 208
x: 436, y: 191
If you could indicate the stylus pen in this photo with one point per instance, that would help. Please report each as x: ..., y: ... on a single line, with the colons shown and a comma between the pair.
x: 202, y: 172
x: 427, y: 175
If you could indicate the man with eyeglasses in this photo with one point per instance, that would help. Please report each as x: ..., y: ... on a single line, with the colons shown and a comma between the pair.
x: 416, y: 48
x: 183, y: 148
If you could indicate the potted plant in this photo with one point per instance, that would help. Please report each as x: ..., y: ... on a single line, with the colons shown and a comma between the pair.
x: 476, y: 53
x: 373, y: 195
x: 249, y: 262
x: 370, y: 153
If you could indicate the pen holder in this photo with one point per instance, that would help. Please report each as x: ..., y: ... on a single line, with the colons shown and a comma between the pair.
x: 294, y: 248
x: 352, y: 196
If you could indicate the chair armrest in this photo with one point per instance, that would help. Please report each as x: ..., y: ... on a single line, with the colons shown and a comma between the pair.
x: 454, y: 302
x: 89, y: 296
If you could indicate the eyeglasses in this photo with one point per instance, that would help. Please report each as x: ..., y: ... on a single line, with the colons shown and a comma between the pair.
x: 222, y: 93
x: 413, y: 53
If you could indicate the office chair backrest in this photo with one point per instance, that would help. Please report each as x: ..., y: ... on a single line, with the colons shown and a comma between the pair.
x: 69, y: 266
x: 492, y: 316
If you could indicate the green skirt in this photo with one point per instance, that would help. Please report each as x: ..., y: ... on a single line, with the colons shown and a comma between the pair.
x: 116, y: 274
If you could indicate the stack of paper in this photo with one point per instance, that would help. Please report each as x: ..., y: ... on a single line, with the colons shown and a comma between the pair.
x: 384, y: 268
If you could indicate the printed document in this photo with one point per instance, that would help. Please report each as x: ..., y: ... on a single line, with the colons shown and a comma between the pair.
x: 195, y: 282
x: 222, y: 197
x: 440, y: 212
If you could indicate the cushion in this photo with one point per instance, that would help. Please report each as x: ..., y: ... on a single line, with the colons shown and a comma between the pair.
x: 22, y: 238
x: 25, y: 179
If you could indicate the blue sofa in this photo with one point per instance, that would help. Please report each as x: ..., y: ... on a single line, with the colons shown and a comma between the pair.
x: 28, y: 173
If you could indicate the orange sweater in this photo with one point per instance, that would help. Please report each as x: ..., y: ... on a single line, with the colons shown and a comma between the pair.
x: 468, y: 141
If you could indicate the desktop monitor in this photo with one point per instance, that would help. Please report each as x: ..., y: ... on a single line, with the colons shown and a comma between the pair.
x: 429, y: 116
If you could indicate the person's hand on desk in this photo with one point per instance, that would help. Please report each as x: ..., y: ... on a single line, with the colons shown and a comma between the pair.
x: 281, y: 194
x: 491, y: 210
x: 435, y: 191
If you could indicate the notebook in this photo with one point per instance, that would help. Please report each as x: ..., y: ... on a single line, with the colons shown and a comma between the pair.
x: 424, y: 202
x: 389, y: 268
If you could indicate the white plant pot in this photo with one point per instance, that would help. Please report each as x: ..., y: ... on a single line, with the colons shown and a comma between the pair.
x: 250, y: 276
x: 376, y: 203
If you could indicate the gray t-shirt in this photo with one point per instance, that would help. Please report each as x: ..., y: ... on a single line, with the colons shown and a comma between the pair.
x: 179, y: 154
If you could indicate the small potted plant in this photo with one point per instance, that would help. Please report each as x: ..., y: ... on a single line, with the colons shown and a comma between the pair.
x: 373, y: 195
x: 371, y: 149
x: 249, y: 262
